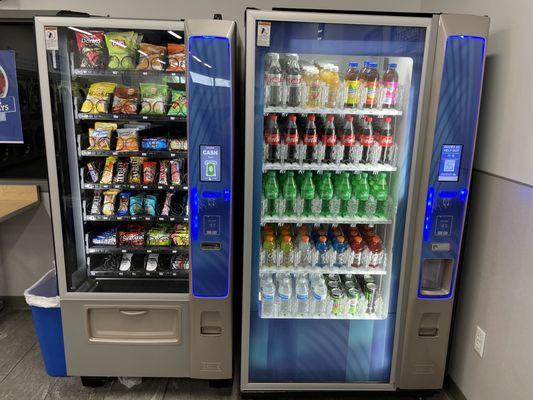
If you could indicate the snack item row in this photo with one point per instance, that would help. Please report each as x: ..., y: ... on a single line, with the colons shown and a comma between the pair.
x: 122, y: 49
x: 161, y: 235
x: 154, y: 98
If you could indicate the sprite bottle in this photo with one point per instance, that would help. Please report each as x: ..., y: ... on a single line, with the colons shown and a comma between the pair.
x: 289, y: 192
x: 326, y: 192
x: 381, y: 193
x: 271, y: 190
x: 343, y: 189
x: 363, y: 193
x: 307, y: 192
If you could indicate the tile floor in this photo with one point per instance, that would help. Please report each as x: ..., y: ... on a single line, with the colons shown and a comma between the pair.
x: 22, y: 376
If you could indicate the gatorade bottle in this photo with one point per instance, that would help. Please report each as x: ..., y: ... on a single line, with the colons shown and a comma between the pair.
x: 271, y: 192
x: 340, y: 248
x: 310, y: 139
x: 390, y: 86
x: 272, y: 138
x: 294, y: 78
x: 347, y: 138
x: 381, y: 193
x: 372, y: 85
x: 329, y: 139
x: 291, y: 139
x: 322, y: 248
x: 289, y: 193
x: 367, y: 140
x: 344, y: 192
x: 326, y: 192
x: 273, y: 81
x: 357, y: 245
x: 269, y: 247
x: 307, y: 192
x: 287, y: 251
x: 363, y: 193
x: 386, y: 141
x: 351, y: 81
x: 375, y: 246
x: 333, y: 82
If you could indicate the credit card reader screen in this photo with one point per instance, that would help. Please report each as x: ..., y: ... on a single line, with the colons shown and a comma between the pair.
x: 450, y: 162
x: 210, y: 163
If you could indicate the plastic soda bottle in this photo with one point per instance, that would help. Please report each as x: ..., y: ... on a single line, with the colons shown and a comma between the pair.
x: 293, y: 79
x: 390, y: 86
x: 319, y: 299
x: 381, y: 193
x: 372, y: 85
x: 302, y: 297
x: 367, y: 140
x: 351, y: 81
x: 329, y: 138
x: 285, y: 297
x: 271, y: 192
x: 308, y: 192
x: 343, y: 190
x: 272, y: 138
x: 273, y: 81
x: 340, y: 247
x: 268, y: 292
x: 363, y: 193
x: 386, y: 141
x: 291, y: 139
x: 322, y: 248
x: 333, y: 82
x: 289, y: 193
x: 347, y: 139
x: 269, y: 247
x: 326, y: 192
x: 310, y: 139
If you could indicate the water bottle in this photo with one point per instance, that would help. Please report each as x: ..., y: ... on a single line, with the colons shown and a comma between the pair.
x: 316, y: 280
x: 285, y: 297
x: 319, y: 299
x: 302, y: 297
x: 304, y: 246
x: 268, y: 292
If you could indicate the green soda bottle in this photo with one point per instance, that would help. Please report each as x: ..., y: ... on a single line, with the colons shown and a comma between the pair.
x: 326, y: 192
x: 362, y: 193
x: 271, y: 192
x: 381, y: 193
x: 307, y: 191
x: 289, y: 192
x: 343, y: 190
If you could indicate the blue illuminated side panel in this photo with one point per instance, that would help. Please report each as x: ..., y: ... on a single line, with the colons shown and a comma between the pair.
x: 453, y: 152
x: 210, y: 135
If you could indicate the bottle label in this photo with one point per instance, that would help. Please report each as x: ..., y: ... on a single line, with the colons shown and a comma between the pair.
x: 313, y: 94
x: 385, y: 140
x: 353, y: 88
x: 268, y: 297
x: 317, y: 296
x: 291, y: 139
x: 273, y: 79
x: 302, y: 297
x: 310, y: 140
x: 347, y: 140
x: 283, y: 297
x: 329, y: 140
x: 371, y: 93
x: 294, y: 80
x: 391, y: 91
x: 272, y: 139
x: 367, y: 140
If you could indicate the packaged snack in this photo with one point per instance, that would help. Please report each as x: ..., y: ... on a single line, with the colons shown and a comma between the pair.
x: 153, y: 98
x: 166, y: 205
x: 127, y: 139
x: 133, y: 236
x: 178, y: 105
x: 151, y: 262
x: 96, y: 203
x: 99, y: 139
x: 125, y: 100
x: 93, y: 171
x: 135, y: 170
x: 151, y: 57
x: 149, y: 171
x: 179, y: 262
x: 107, y: 175
x: 157, y: 143
x: 97, y: 101
x: 176, y: 57
x: 109, y: 202
x: 157, y: 236
x: 150, y: 202
x: 90, y: 49
x: 163, y: 172
x: 175, y: 172
x: 121, y: 47
x: 121, y: 172
x: 111, y: 126
x: 123, y: 203
x: 107, y: 238
x: 177, y: 144
x: 136, y: 204
x: 180, y: 236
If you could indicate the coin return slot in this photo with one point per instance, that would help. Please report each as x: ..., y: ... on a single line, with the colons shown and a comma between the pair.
x: 210, y: 246
x: 436, y: 277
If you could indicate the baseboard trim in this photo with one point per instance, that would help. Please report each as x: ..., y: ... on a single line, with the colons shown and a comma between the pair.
x: 14, y: 302
x: 452, y: 389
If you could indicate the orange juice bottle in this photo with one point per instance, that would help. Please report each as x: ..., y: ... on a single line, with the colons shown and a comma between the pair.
x: 333, y: 81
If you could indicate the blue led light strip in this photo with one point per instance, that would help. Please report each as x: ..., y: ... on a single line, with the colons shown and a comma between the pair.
x: 429, y: 213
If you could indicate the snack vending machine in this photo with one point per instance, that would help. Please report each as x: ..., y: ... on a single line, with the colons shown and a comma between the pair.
x: 138, y: 117
x: 360, y: 133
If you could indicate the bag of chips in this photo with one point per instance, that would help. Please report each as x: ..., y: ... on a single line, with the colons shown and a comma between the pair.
x: 180, y: 236
x: 151, y: 57
x: 123, y: 203
x: 175, y: 172
x: 107, y: 238
x: 127, y: 139
x: 177, y: 144
x: 136, y: 204
x: 178, y: 106
x: 157, y: 143
x: 166, y: 205
x: 97, y: 101
x: 90, y: 49
x: 153, y: 98
x: 157, y: 236
x: 150, y: 202
x: 176, y: 57
x: 134, y: 236
x: 121, y: 47
x: 110, y: 126
x: 125, y: 100
x: 109, y: 202
x: 107, y: 175
x: 163, y: 172
x: 122, y: 172
x: 135, y: 177
x: 149, y: 171
x: 99, y: 139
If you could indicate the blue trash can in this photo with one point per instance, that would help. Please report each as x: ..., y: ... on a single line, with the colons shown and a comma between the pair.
x: 43, y: 298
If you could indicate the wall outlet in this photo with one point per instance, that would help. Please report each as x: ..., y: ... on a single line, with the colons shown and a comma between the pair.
x: 479, y: 341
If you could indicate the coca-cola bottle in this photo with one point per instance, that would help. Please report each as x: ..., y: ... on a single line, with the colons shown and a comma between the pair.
x: 293, y: 80
x: 272, y: 138
x: 273, y: 81
x: 347, y: 138
x: 291, y: 139
x: 310, y: 139
x: 386, y: 141
x: 329, y: 138
x: 367, y: 139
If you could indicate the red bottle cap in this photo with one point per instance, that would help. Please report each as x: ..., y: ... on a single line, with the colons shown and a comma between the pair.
x: 330, y: 118
x: 292, y: 117
x: 311, y: 117
x: 322, y: 239
x: 349, y: 118
x: 273, y: 116
x: 388, y: 119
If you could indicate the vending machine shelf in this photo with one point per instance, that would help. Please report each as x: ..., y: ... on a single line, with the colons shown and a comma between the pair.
x: 317, y: 220
x: 337, y: 111
x: 325, y: 270
x: 137, y: 249
x: 151, y: 154
x: 338, y: 168
x: 78, y: 72
x: 139, y: 274
x: 91, y: 186
x: 130, y: 117
x: 136, y: 218
x: 329, y: 316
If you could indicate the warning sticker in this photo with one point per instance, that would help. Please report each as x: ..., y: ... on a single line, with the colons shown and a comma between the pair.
x: 263, y: 34
x: 50, y: 37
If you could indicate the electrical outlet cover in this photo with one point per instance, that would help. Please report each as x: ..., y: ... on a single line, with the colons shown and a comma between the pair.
x: 479, y: 341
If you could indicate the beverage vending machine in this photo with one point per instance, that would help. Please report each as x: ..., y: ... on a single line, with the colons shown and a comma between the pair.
x: 360, y: 133
x: 138, y: 118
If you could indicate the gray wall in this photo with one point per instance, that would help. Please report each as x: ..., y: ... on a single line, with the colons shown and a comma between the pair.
x: 495, y: 289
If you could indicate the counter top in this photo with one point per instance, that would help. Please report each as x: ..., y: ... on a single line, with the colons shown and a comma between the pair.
x: 15, y: 199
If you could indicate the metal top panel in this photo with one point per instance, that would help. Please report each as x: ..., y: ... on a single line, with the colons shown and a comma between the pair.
x: 118, y: 23
x: 209, y: 27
